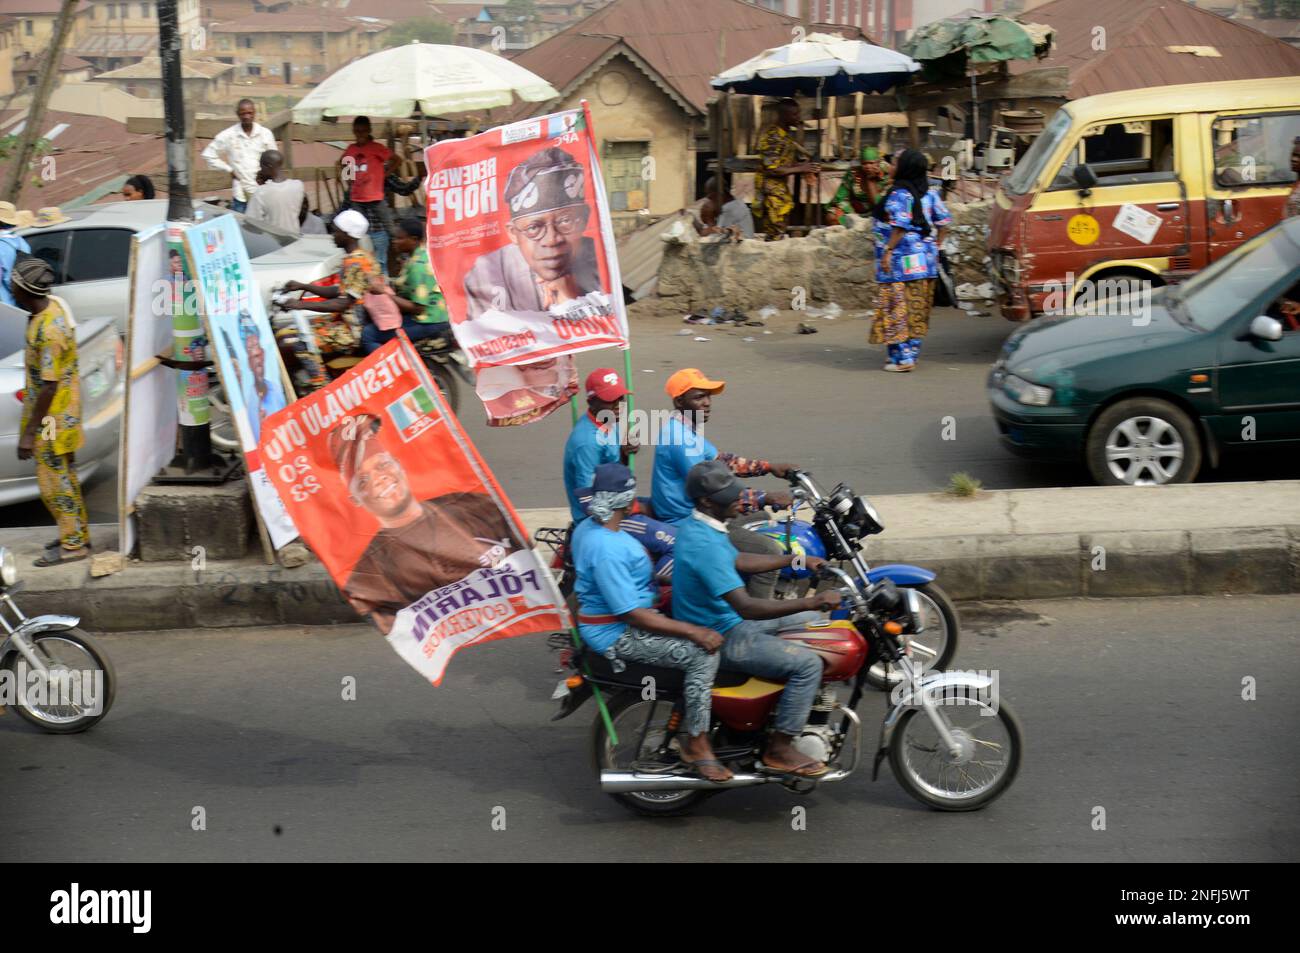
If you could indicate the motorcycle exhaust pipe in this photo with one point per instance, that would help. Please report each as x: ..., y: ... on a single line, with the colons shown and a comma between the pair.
x: 626, y: 782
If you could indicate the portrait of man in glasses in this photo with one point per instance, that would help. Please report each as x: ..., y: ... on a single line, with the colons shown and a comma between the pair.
x: 549, y: 261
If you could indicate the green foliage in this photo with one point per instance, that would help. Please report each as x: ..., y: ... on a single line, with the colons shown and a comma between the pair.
x: 521, y: 10
x: 421, y: 29
x: 9, y: 149
x: 963, y: 484
x: 1276, y: 9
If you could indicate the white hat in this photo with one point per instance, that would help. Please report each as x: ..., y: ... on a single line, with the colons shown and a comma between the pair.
x: 352, y: 223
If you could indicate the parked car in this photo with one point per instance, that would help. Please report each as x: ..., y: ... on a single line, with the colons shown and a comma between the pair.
x: 99, y: 358
x: 1208, y: 368
x: 1147, y: 184
x: 91, y: 253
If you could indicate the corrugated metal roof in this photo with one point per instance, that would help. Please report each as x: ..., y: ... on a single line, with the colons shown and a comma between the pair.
x: 678, y: 39
x: 1137, y: 33
x: 109, y: 44
x: 151, y: 68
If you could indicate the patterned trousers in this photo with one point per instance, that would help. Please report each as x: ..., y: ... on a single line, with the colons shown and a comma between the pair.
x: 666, y: 651
x: 56, y: 475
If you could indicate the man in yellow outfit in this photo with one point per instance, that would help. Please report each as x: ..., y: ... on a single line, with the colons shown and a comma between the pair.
x: 779, y: 154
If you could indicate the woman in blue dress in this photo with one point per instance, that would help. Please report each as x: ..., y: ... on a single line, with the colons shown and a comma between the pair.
x: 903, y: 268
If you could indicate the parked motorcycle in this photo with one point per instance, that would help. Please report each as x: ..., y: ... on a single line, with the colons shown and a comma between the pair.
x: 51, y: 672
x: 951, y: 741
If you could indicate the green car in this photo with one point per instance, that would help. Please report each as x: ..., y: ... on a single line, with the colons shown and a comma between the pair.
x: 1149, y: 388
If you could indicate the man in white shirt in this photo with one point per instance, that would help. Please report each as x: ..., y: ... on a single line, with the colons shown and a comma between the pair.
x: 279, y: 201
x: 238, y: 150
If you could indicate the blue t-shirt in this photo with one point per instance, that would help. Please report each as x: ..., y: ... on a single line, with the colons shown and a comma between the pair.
x: 587, y: 448
x: 677, y: 450
x: 908, y: 261
x: 704, y: 569
x: 10, y: 247
x: 614, y: 577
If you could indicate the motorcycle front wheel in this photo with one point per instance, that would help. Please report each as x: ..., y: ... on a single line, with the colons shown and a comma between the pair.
x: 988, y: 735
x: 638, y: 741
x: 222, y: 423
x: 933, y: 648
x: 80, y: 689
x: 446, y: 382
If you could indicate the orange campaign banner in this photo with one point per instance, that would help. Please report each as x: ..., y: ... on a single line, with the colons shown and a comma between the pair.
x: 391, y: 495
x: 522, y: 245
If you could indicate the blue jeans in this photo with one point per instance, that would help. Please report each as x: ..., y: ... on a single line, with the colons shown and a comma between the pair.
x: 238, y: 206
x: 753, y: 648
x: 379, y: 238
x: 372, y: 338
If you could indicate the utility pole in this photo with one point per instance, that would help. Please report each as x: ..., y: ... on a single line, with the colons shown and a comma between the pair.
x: 16, y: 174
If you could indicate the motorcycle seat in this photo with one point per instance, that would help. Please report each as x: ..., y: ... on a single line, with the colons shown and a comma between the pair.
x: 667, y: 680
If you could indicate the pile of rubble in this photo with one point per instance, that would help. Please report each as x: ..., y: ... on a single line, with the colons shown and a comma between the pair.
x: 835, y: 264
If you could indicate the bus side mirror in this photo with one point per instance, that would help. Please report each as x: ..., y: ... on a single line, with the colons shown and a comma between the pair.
x: 1085, y: 178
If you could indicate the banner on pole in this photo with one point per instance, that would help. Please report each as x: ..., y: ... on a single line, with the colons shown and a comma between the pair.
x: 395, y: 500
x: 522, y: 244
x: 245, y: 352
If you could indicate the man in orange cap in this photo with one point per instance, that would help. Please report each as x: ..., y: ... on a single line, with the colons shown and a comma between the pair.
x: 681, y: 445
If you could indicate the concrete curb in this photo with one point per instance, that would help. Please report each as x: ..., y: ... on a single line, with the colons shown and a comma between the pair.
x: 991, y: 557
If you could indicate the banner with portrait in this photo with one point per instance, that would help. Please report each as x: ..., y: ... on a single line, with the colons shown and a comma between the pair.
x: 243, y: 347
x: 522, y: 245
x: 395, y: 500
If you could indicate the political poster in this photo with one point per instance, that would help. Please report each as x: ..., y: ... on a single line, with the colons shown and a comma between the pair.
x: 147, y: 441
x: 396, y: 502
x: 522, y: 245
x: 244, y: 350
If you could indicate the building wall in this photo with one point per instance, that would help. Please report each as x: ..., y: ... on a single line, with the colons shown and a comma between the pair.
x: 312, y: 56
x: 8, y: 44
x: 136, y: 16
x: 626, y: 106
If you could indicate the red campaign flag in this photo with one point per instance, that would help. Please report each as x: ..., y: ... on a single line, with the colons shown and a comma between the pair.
x: 521, y: 242
x: 394, y: 499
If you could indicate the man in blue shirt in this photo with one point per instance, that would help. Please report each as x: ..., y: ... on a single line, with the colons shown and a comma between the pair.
x: 708, y: 591
x: 615, y: 594
x: 11, y: 246
x: 595, y: 440
x: 681, y: 444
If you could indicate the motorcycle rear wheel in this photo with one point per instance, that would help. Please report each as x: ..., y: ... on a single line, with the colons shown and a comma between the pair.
x: 74, y: 651
x: 628, y: 712
x: 992, y: 749
x: 446, y: 382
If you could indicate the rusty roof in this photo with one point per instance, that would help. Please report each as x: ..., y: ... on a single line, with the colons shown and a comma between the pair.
x: 679, y: 40
x: 292, y: 21
x: 1137, y: 36
x: 36, y: 7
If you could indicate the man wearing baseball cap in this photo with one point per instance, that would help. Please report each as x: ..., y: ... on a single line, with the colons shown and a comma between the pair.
x: 549, y: 260
x: 708, y: 591
x: 681, y: 445
x: 616, y: 592
x: 595, y: 441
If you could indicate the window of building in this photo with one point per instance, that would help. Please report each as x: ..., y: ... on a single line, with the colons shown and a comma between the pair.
x: 27, y: 27
x: 286, y: 42
x: 246, y: 42
x: 318, y: 42
x: 254, y: 71
x: 1254, y: 150
x: 625, y: 175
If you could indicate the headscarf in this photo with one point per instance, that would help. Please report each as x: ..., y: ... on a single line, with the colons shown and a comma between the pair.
x: 605, y: 502
x: 912, y: 178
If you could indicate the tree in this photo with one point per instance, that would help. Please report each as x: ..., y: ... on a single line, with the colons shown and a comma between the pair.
x: 421, y: 29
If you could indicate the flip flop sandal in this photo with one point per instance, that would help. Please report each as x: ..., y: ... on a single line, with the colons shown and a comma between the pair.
x: 57, y: 543
x: 795, y: 772
x: 694, y: 767
x: 51, y: 559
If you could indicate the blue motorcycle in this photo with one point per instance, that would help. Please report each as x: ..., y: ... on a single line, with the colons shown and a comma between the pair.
x: 841, y: 521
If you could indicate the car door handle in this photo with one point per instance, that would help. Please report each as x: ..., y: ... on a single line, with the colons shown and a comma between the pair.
x: 1167, y: 206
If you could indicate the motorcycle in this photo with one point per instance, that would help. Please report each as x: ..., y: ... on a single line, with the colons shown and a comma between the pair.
x: 951, y: 741
x: 51, y: 673
x: 441, y: 355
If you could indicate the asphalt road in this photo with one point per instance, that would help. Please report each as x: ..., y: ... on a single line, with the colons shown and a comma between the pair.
x: 1133, y: 706
x: 819, y: 400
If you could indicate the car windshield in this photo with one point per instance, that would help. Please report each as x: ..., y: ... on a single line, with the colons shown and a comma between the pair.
x: 259, y: 239
x: 1217, y: 293
x: 1027, y: 170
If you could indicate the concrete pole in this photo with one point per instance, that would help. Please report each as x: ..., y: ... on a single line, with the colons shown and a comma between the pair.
x: 16, y: 173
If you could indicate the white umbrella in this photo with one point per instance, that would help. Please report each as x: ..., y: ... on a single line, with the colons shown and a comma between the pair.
x: 430, y: 77
x: 819, y: 64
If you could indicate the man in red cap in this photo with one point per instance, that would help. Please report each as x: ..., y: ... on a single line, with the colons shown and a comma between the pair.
x: 421, y: 545
x: 595, y: 440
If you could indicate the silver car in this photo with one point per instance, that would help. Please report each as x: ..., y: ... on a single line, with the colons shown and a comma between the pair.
x: 89, y: 255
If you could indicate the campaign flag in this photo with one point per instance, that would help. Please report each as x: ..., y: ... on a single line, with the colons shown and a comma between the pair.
x: 244, y: 349
x: 522, y: 245
x: 395, y: 500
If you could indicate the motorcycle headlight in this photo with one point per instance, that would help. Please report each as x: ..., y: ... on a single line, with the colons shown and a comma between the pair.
x: 1035, y: 395
x: 873, y: 523
x: 8, y: 568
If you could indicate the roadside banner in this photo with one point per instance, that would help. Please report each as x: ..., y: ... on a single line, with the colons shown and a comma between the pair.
x: 522, y: 245
x: 150, y: 415
x: 244, y: 350
x: 395, y: 500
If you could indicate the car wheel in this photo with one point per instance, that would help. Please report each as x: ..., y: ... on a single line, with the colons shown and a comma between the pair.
x: 1143, y: 441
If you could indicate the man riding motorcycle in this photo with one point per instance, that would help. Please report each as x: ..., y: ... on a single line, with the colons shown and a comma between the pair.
x: 708, y: 591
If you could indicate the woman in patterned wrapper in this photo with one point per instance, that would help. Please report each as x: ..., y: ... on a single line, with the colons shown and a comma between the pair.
x: 421, y: 545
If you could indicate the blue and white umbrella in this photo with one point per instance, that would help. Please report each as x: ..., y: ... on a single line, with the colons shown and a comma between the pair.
x: 819, y: 65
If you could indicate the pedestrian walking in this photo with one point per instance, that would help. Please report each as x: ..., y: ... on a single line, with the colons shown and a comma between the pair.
x: 902, y: 316
x: 51, y: 423
x: 238, y: 150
